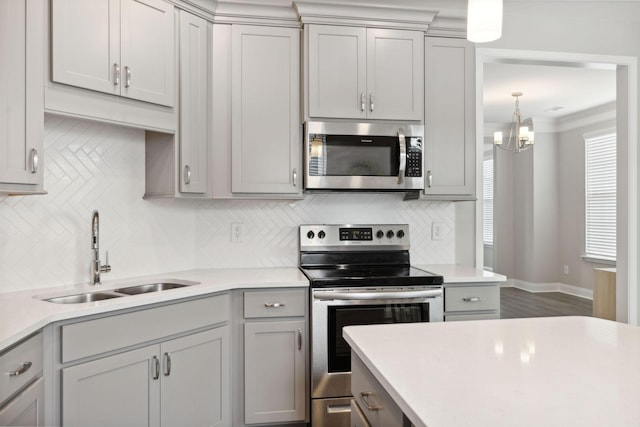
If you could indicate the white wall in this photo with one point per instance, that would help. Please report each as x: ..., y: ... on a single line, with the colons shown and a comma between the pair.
x: 45, y: 240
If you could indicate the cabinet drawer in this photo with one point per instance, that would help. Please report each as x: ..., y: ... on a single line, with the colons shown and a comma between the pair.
x: 471, y: 298
x: 376, y: 404
x: 25, y: 361
x: 280, y: 303
x: 97, y: 336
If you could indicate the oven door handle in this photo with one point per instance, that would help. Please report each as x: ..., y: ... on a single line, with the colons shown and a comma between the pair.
x: 337, y: 295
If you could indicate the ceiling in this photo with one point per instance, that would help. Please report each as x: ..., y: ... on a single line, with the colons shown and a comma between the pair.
x: 549, y: 91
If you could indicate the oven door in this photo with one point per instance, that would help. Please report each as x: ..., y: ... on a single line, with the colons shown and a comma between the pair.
x: 333, y: 309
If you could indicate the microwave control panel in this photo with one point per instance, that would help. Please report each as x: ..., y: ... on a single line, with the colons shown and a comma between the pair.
x: 414, y: 158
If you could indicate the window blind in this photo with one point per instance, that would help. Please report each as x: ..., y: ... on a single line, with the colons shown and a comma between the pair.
x: 600, y: 168
x: 487, y: 202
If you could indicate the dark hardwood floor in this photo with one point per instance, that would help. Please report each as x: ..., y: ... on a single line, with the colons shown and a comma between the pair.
x: 515, y: 303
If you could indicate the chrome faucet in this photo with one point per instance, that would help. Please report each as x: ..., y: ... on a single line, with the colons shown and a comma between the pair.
x: 96, y: 267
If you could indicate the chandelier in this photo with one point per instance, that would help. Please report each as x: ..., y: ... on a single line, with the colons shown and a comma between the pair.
x: 521, y: 135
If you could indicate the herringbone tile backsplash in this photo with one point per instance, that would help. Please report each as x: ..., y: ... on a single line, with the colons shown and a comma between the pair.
x: 45, y: 240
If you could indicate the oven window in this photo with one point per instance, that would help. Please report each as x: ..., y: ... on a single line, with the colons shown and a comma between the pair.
x: 340, y: 316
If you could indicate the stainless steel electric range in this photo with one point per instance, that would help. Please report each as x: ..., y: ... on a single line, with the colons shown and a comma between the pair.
x: 359, y: 275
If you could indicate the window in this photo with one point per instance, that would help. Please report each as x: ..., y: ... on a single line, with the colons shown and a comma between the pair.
x: 487, y: 202
x: 600, y: 212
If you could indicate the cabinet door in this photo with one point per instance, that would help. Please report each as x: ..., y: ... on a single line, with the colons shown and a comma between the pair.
x: 85, y: 43
x: 26, y: 409
x: 21, y: 91
x: 265, y: 109
x: 196, y: 385
x: 395, y: 74
x: 147, y: 51
x: 127, y: 379
x: 194, y: 61
x: 449, y: 118
x: 337, y: 75
x: 274, y: 372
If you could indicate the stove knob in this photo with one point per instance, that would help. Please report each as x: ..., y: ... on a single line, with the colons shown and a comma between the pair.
x: 379, y: 234
x: 400, y: 234
x: 311, y: 235
x: 390, y: 234
x: 321, y: 234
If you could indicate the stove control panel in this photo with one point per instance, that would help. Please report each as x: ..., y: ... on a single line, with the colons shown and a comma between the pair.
x: 354, y: 237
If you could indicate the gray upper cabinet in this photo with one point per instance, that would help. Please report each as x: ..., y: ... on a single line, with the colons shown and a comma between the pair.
x: 194, y: 103
x: 120, y: 47
x: 364, y: 73
x: 265, y: 110
x: 449, y: 119
x: 22, y: 54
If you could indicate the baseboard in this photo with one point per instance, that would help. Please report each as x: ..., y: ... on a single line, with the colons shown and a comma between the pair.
x: 549, y: 287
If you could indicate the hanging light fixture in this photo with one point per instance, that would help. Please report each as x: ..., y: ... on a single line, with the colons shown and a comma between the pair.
x: 521, y: 135
x: 484, y: 20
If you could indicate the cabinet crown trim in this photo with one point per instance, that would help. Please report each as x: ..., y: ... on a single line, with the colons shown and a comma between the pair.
x: 257, y: 14
x: 386, y: 16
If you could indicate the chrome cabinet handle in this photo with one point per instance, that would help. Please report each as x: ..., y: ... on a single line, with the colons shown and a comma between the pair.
x: 402, y: 145
x: 299, y: 339
x: 167, y: 364
x: 156, y: 368
x: 365, y: 398
x: 187, y: 174
x: 24, y: 367
x: 35, y: 160
x: 362, y: 102
x: 472, y: 299
x: 116, y: 74
x: 127, y: 72
x: 371, y: 104
x: 295, y: 177
x: 273, y: 304
x: 429, y: 179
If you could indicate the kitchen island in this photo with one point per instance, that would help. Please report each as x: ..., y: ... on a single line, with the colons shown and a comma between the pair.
x: 561, y: 371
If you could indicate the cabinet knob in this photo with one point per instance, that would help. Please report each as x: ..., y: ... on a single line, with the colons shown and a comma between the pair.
x: 362, y: 102
x: 365, y: 399
x: 167, y: 364
x: 371, y: 103
x: 156, y: 367
x: 471, y: 299
x: 429, y: 179
x: 299, y: 339
x: 295, y: 177
x: 35, y: 160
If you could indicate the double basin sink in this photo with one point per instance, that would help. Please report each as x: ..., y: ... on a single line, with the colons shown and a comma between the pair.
x: 120, y: 292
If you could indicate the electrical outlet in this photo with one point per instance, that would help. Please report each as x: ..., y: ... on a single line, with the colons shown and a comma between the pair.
x: 565, y: 270
x: 437, y: 230
x: 236, y: 232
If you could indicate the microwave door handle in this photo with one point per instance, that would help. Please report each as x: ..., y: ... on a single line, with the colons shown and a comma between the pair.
x: 402, y: 145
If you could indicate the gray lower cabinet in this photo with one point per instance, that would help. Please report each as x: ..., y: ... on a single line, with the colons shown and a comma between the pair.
x: 179, y: 381
x: 275, y: 357
x: 163, y: 366
x: 22, y: 383
x: 26, y: 409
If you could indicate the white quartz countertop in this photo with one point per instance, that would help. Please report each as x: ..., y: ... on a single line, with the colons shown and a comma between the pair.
x: 453, y: 273
x: 554, y: 371
x: 22, y: 313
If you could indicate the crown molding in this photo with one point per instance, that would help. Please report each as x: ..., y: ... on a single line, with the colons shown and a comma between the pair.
x: 353, y: 14
x: 601, y: 113
x: 265, y: 13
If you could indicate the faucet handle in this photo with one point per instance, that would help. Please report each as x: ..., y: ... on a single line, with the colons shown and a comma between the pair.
x: 106, y: 267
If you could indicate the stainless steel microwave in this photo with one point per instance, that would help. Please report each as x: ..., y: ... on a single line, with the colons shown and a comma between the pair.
x: 363, y: 156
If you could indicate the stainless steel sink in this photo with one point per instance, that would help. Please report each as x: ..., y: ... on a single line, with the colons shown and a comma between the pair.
x: 80, y: 298
x: 150, y: 287
x: 121, y: 292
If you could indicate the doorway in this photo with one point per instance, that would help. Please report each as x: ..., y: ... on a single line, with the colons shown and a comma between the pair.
x: 626, y: 107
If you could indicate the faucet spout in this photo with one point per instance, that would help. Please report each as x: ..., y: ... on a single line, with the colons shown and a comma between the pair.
x: 96, y: 266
